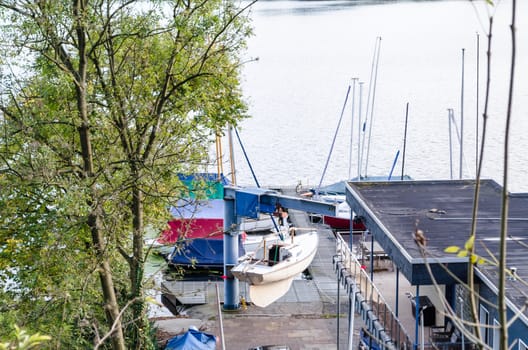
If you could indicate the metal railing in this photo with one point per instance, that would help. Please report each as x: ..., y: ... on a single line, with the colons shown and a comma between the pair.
x: 381, y: 322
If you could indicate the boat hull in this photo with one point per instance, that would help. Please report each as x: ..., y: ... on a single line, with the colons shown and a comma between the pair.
x: 260, y: 273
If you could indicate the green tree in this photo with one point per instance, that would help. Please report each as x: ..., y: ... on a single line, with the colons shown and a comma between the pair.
x: 103, y: 103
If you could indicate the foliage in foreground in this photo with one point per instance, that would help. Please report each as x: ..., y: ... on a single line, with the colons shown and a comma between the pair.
x: 103, y: 104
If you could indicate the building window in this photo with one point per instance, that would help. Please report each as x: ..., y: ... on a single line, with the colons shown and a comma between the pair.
x: 496, y: 335
x: 484, y: 321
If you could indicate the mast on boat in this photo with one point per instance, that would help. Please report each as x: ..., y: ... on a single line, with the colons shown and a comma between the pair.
x: 372, y: 90
x: 231, y: 153
x: 219, y: 165
x: 354, y: 81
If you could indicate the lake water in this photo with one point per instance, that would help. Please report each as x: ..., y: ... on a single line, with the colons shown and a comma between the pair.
x: 309, y: 51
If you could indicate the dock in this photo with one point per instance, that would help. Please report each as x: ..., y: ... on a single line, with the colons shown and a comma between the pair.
x: 322, y: 284
x: 313, y: 314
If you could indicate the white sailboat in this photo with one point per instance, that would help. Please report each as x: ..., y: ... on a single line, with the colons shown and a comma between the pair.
x: 271, y: 269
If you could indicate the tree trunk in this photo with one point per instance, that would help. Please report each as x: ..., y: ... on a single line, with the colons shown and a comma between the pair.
x: 137, y: 265
x: 94, y: 218
x: 107, y: 284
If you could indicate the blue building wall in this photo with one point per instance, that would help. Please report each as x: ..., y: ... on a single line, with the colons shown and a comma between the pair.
x: 518, y: 330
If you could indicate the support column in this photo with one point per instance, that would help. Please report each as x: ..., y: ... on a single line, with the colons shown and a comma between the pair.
x: 231, y: 288
x: 351, y: 315
x: 397, y: 306
x: 417, y: 307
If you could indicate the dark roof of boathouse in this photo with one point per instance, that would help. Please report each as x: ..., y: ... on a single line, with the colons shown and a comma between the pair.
x: 443, y: 211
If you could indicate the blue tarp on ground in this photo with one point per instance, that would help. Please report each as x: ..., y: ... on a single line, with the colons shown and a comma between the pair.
x: 192, y: 340
x: 206, y: 253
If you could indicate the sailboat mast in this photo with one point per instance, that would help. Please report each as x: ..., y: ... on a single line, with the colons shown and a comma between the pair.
x: 450, y: 117
x: 231, y: 154
x: 462, y: 117
x: 477, y: 108
x: 360, y: 130
x: 370, y: 102
x: 219, y: 165
x: 354, y: 80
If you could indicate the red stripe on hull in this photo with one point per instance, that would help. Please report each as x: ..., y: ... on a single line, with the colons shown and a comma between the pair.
x: 343, y: 224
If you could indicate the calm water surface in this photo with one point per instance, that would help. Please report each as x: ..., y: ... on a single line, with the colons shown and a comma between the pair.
x: 309, y: 51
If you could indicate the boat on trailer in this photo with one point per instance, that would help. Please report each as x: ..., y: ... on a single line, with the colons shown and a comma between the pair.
x: 270, y: 269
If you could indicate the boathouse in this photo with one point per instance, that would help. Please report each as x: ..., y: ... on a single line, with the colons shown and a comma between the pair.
x: 442, y: 212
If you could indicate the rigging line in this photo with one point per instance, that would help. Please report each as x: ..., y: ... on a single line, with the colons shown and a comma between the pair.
x: 253, y: 174
x: 247, y: 159
x: 372, y: 104
x: 405, y: 140
x: 459, y: 138
x: 368, y: 101
x: 333, y: 141
x: 394, y: 165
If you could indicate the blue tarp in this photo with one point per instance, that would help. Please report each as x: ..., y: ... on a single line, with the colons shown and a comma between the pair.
x: 192, y: 340
x: 206, y: 253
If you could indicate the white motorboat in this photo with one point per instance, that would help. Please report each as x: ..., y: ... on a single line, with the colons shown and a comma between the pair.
x: 271, y: 269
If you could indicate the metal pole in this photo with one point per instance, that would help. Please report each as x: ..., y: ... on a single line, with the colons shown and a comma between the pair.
x: 351, y: 231
x: 338, y: 306
x: 477, y: 108
x: 231, y: 288
x: 360, y: 130
x: 461, y: 301
x: 416, y: 316
x: 422, y: 323
x: 397, y: 292
x: 351, y: 315
x: 220, y: 317
x: 231, y: 154
x: 371, y: 258
x: 354, y: 80
x: 370, y: 102
x: 462, y: 118
x: 449, y: 116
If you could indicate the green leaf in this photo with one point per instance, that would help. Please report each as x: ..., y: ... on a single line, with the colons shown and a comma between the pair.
x: 470, y: 243
x: 452, y: 249
x: 462, y: 254
x: 151, y: 300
